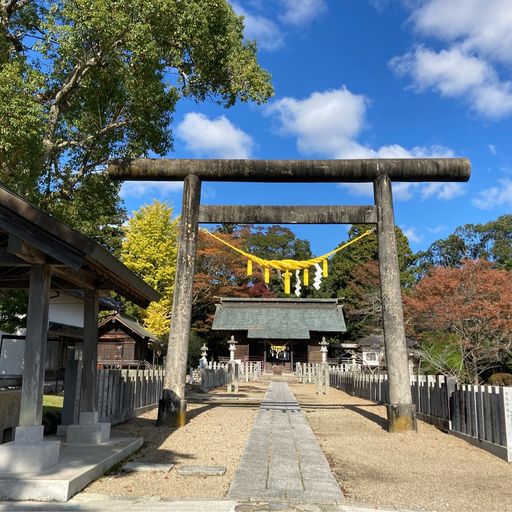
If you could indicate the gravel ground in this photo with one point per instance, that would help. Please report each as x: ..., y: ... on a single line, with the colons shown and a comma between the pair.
x: 429, y: 470
x: 215, y: 435
x: 426, y: 471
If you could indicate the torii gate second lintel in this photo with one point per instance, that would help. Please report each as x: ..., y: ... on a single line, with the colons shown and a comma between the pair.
x: 401, y: 410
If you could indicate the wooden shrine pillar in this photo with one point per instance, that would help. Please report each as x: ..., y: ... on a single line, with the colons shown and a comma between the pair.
x: 172, y: 407
x: 32, y: 390
x: 88, y: 400
x: 401, y: 411
x: 89, y: 430
x: 30, y: 452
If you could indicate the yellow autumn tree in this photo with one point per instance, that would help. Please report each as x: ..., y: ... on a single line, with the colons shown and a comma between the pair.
x: 149, y: 249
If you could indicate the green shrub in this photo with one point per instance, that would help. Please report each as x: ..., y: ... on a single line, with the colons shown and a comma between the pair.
x: 500, y: 379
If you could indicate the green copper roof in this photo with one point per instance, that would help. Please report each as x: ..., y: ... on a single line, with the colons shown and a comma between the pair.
x: 279, y: 318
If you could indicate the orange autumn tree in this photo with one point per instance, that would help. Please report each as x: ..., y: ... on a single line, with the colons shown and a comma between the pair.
x: 472, y: 306
x: 219, y: 272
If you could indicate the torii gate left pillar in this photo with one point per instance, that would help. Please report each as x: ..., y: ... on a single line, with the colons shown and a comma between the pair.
x: 173, y: 406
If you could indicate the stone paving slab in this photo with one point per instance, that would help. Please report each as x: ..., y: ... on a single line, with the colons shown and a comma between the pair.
x: 146, y: 466
x: 282, y: 458
x: 97, y: 503
x: 202, y: 470
x: 78, y: 466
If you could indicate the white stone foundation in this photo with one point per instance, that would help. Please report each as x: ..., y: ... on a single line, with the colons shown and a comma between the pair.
x: 89, y: 431
x: 28, y: 452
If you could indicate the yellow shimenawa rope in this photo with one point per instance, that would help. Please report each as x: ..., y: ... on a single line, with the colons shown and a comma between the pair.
x: 288, y: 265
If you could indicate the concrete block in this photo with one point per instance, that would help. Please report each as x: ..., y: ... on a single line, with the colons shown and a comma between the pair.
x: 95, y: 433
x: 201, y: 470
x: 31, y: 457
x: 146, y: 466
x: 88, y: 418
x: 62, y: 430
x: 78, y: 466
x: 31, y: 434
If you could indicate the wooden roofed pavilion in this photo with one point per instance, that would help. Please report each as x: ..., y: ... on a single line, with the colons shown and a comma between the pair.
x: 40, y: 253
x: 297, y: 324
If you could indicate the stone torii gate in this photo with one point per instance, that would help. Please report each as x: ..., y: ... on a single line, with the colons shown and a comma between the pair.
x: 380, y: 172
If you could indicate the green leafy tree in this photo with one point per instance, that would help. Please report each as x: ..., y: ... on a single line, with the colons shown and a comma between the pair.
x: 149, y: 249
x: 276, y: 243
x: 491, y: 241
x: 354, y: 277
x: 84, y: 81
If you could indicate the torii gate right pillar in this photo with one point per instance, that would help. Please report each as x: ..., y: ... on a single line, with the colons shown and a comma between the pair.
x: 401, y: 411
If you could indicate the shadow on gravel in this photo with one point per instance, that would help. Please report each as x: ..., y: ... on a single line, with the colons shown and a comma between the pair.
x: 359, y: 409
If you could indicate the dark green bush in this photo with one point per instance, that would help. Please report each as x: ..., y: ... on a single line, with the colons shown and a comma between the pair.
x: 500, y: 379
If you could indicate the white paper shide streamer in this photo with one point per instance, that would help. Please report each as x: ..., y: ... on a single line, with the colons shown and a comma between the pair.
x: 317, y: 282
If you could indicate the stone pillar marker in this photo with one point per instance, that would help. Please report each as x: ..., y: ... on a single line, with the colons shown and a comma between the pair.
x: 233, y: 367
x: 400, y: 410
x: 29, y: 452
x: 506, y: 426
x: 89, y: 430
x: 173, y: 406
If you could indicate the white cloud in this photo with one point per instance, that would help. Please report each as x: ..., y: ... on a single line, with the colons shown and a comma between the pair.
x: 479, y: 36
x: 329, y: 124
x: 434, y: 230
x: 492, y: 148
x: 452, y: 72
x: 455, y: 73
x: 442, y: 190
x: 412, y: 235
x: 214, y: 138
x: 484, y: 26
x: 325, y: 122
x: 265, y: 31
x: 495, y: 196
x: 149, y: 189
x: 302, y: 12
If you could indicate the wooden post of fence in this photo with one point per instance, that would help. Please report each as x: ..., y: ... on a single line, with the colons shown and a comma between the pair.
x: 451, y: 383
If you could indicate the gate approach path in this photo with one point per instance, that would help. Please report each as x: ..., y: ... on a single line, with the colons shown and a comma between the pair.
x: 282, y: 458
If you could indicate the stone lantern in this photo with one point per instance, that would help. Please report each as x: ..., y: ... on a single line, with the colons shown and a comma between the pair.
x: 232, y: 348
x: 203, y: 362
x: 323, y: 369
x: 323, y: 349
x: 233, y: 367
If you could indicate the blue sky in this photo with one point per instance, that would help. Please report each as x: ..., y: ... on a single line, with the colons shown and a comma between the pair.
x: 363, y: 79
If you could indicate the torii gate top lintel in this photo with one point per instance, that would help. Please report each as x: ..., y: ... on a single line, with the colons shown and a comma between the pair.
x: 299, y: 171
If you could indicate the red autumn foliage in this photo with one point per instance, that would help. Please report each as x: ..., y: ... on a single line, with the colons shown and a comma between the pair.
x: 220, y: 271
x: 475, y: 303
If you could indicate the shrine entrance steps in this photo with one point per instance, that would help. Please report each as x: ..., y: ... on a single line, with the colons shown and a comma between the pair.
x: 282, y: 458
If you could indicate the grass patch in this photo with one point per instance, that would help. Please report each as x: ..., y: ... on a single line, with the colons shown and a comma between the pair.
x: 52, y: 403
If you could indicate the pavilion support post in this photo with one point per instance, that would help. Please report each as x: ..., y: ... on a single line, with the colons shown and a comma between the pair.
x: 401, y: 411
x: 173, y: 406
x: 89, y: 430
x: 29, y: 452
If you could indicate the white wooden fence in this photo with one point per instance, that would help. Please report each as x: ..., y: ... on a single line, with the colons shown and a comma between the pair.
x: 124, y: 394
x: 481, y: 415
x: 248, y: 371
x: 308, y: 372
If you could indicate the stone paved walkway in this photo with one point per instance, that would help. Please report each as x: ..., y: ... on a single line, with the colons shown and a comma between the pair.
x: 282, y: 458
